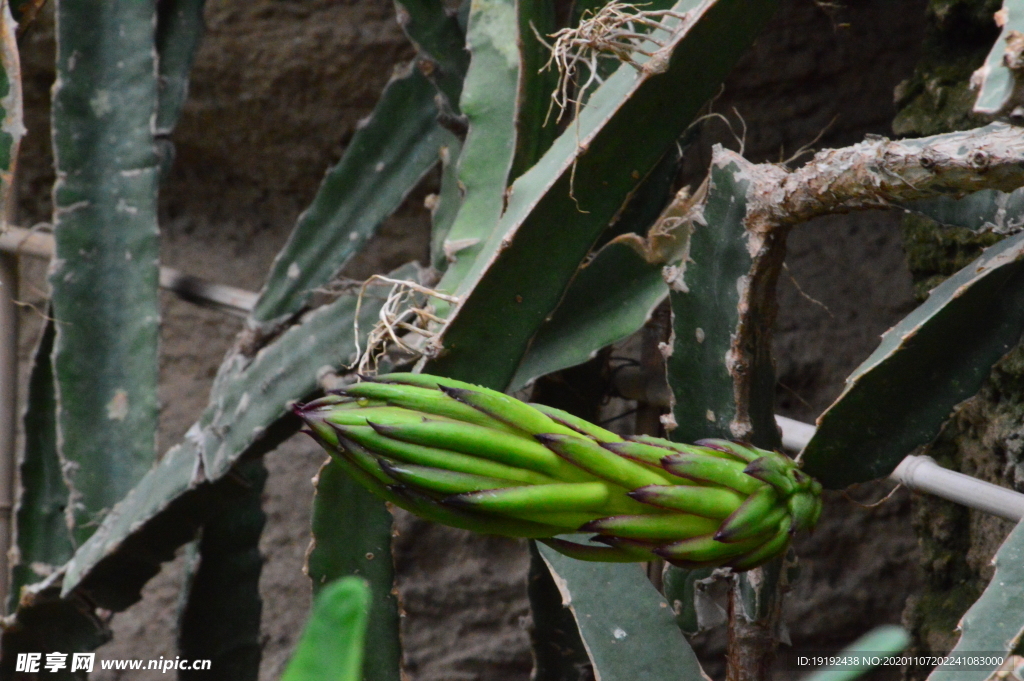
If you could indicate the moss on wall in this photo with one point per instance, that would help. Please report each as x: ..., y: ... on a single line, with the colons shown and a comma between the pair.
x: 937, y: 97
x: 984, y: 436
x: 934, y: 252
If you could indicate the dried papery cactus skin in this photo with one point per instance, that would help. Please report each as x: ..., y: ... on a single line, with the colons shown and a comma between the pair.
x: 475, y: 458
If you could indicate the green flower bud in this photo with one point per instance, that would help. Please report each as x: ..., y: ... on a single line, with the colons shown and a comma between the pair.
x: 475, y: 458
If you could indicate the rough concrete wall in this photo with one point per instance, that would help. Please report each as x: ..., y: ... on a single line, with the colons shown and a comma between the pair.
x: 846, y: 283
x: 983, y: 438
x: 278, y: 89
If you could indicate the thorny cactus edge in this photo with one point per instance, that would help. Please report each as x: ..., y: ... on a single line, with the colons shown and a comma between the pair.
x: 475, y: 458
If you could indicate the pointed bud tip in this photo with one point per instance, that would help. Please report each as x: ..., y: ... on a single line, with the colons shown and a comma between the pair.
x: 757, y: 465
x: 460, y: 501
x: 455, y: 393
x: 380, y: 428
x: 712, y: 443
x: 678, y: 460
x: 399, y: 491
x: 642, y: 494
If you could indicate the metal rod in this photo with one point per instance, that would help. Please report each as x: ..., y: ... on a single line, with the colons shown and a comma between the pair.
x: 795, y: 434
x: 919, y: 473
x: 922, y: 474
x: 193, y: 289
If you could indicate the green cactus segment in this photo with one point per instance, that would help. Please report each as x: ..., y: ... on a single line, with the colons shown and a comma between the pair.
x: 220, y: 620
x: 332, y: 644
x: 581, y: 426
x: 986, y: 211
x: 42, y: 533
x: 169, y: 503
x: 383, y: 162
x: 441, y: 45
x: 652, y: 527
x: 443, y: 481
x: 613, y: 293
x: 445, y: 207
x: 655, y: 192
x: 876, y: 644
x: 710, y: 502
x: 443, y: 459
x: 104, y: 275
x: 509, y: 410
x: 522, y: 272
x: 758, y: 515
x: 510, y: 450
x: 537, y: 474
x: 706, y: 550
x: 602, y: 463
x: 558, y: 652
x: 535, y: 129
x: 162, y: 512
x: 722, y: 296
x: 626, y: 625
x: 581, y: 496
x: 652, y: 452
x: 352, y: 536
x: 765, y: 470
x: 998, y: 88
x: 937, y: 356
x: 610, y: 298
x: 694, y: 611
x: 179, y: 30
x: 705, y: 310
x: 995, y: 622
x: 489, y: 105
x: 712, y: 470
x: 12, y: 127
x: 426, y: 400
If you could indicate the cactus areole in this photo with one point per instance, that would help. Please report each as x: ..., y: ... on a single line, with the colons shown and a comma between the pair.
x: 475, y: 458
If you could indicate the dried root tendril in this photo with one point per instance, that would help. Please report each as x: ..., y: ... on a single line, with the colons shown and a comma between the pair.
x: 405, y: 315
x: 617, y: 30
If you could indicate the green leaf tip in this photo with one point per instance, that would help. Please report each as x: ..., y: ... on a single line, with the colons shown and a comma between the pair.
x: 331, y: 646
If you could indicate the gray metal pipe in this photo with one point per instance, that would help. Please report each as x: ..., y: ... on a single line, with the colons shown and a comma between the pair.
x: 228, y: 299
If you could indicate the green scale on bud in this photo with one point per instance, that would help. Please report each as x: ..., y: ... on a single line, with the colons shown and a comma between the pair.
x: 477, y: 459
